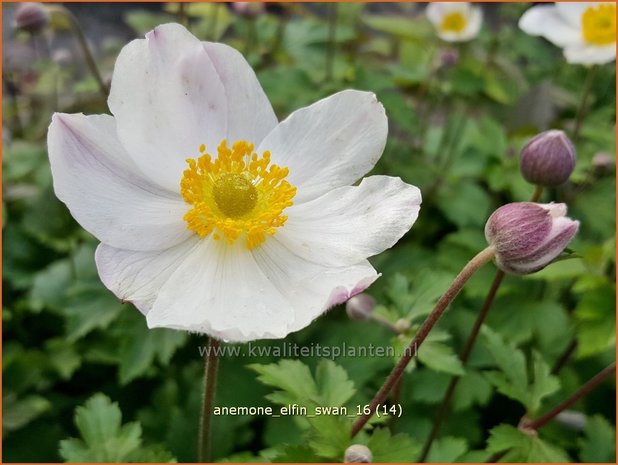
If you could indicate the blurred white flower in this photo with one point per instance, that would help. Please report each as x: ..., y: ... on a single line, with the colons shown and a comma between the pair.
x: 586, y: 31
x: 214, y: 217
x: 455, y: 21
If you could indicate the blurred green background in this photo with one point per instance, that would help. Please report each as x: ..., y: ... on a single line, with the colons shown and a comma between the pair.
x: 459, y: 115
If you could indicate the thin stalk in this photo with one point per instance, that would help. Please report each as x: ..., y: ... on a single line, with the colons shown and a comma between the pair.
x: 577, y: 395
x: 181, y: 14
x: 465, y: 355
x: 384, y: 322
x: 83, y: 43
x: 332, y: 41
x: 211, y: 364
x: 464, y: 275
x: 538, y: 192
x: 564, y: 357
x: 583, y: 103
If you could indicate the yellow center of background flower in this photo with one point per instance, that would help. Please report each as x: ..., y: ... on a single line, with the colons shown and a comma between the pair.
x: 453, y: 22
x: 237, y: 194
x: 599, y: 24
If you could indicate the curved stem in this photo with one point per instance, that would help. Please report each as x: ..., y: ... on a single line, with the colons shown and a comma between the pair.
x: 577, y: 395
x: 583, y: 103
x: 83, y: 43
x: 211, y: 364
x: 450, y: 392
x: 564, y: 357
x: 464, y: 275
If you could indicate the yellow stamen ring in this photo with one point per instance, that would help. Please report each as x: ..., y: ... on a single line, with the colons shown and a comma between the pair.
x: 599, y: 24
x: 237, y: 194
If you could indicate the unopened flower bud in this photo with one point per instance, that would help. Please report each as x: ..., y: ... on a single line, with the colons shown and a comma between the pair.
x: 402, y: 325
x: 357, y: 453
x: 248, y: 9
x: 548, y: 159
x: 360, y: 307
x: 31, y: 17
x: 529, y: 236
x: 603, y: 161
x: 449, y: 57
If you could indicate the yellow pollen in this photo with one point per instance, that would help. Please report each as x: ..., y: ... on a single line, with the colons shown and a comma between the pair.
x: 237, y: 194
x: 453, y: 22
x: 599, y: 24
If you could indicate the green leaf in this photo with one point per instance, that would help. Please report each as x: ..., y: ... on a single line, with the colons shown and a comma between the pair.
x: 142, y: 346
x: 523, y: 447
x: 440, y: 357
x: 599, y: 443
x: 292, y: 378
x: 19, y: 412
x: 104, y: 439
x: 333, y: 384
x: 397, y: 448
x: 330, y: 435
x: 596, y: 318
x: 512, y: 380
x: 472, y: 389
x: 447, y: 449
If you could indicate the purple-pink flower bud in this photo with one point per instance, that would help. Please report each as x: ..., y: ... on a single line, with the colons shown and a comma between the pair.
x: 31, y: 17
x: 529, y: 236
x: 360, y: 307
x: 548, y: 159
x: 249, y: 9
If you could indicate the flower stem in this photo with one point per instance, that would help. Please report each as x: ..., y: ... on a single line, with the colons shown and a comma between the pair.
x: 464, y: 275
x: 577, y: 395
x: 564, y: 357
x: 465, y: 355
x: 583, y: 103
x: 332, y: 36
x: 450, y: 392
x: 83, y: 43
x: 211, y: 364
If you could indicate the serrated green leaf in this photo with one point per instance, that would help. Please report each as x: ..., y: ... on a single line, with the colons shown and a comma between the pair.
x: 522, y: 447
x: 398, y: 448
x: 447, y: 449
x: 292, y: 377
x: 599, y: 443
x: 440, y: 357
x: 333, y: 384
x: 104, y: 439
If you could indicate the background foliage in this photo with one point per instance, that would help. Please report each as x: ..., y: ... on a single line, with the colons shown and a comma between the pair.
x: 84, y: 376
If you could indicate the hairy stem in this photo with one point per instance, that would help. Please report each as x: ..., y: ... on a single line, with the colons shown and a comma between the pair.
x: 577, y: 395
x: 211, y: 364
x: 464, y: 275
x: 465, y: 355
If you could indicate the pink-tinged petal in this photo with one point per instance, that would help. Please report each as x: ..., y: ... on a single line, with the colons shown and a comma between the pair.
x: 104, y: 190
x: 349, y: 224
x: 329, y: 144
x: 250, y: 115
x: 137, y: 276
x: 168, y: 99
x: 545, y: 21
x: 239, y: 295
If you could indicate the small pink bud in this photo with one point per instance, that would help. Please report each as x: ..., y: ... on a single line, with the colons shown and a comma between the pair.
x: 31, y: 17
x: 249, y: 9
x: 529, y: 236
x: 360, y: 307
x: 357, y: 453
x: 548, y: 159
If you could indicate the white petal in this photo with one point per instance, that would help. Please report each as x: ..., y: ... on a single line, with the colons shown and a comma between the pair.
x: 545, y: 21
x: 590, y: 54
x: 349, y: 224
x: 473, y: 27
x: 572, y: 12
x: 435, y: 13
x: 238, y: 295
x: 168, y: 99
x: 250, y: 115
x: 311, y: 288
x: 329, y: 144
x: 104, y: 191
x: 135, y: 276
x: 220, y: 290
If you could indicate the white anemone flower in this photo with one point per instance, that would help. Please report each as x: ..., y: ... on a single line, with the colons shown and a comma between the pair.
x: 214, y: 217
x: 455, y: 21
x: 586, y: 31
